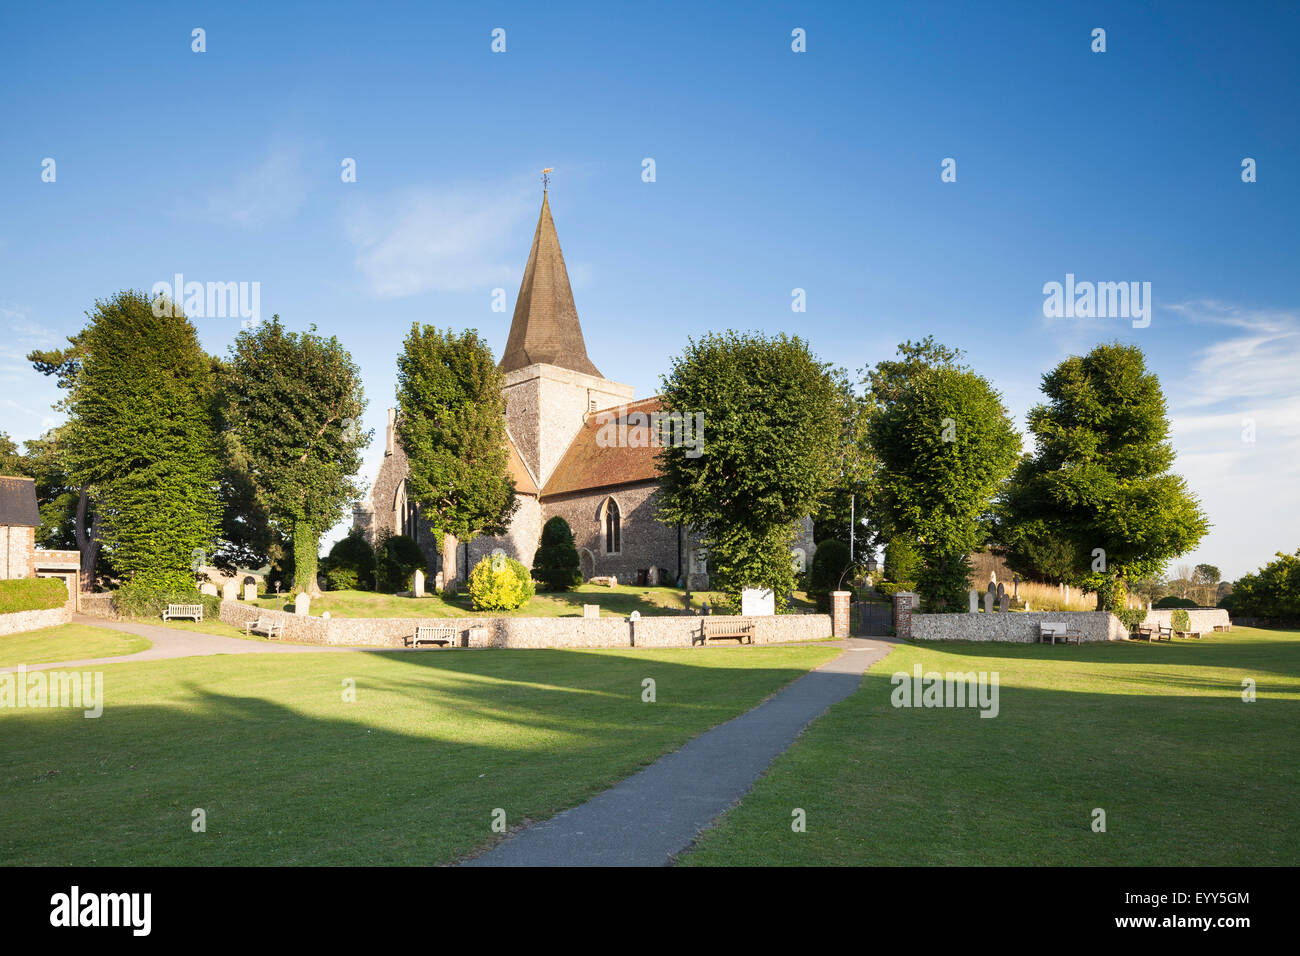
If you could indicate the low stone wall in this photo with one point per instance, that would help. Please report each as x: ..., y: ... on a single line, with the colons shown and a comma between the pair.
x: 98, y: 605
x: 1203, y: 619
x: 20, y: 621
x: 526, y: 632
x: 1017, y: 626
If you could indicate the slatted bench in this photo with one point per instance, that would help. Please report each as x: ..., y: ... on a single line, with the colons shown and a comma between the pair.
x: 724, y: 629
x: 1051, y: 630
x: 175, y: 611
x: 439, y: 634
x: 1163, y: 633
x: 264, y: 625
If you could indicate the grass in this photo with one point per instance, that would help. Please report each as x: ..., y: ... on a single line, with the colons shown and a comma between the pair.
x: 1156, y: 735
x: 289, y: 773
x: 220, y: 629
x: 67, y: 642
x: 618, y: 601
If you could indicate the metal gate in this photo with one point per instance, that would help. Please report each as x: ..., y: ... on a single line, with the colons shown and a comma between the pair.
x: 871, y: 620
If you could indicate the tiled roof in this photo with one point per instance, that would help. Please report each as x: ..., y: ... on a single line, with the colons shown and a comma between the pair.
x: 545, y: 326
x: 592, y: 461
x: 18, y: 503
x: 524, y: 483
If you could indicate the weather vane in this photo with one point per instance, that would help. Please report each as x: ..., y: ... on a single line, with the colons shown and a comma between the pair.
x: 546, y: 180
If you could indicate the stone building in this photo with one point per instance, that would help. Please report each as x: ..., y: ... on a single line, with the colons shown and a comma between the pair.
x: 19, y: 556
x: 580, y: 446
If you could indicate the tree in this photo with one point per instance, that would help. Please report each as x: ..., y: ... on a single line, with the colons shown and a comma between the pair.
x: 451, y: 420
x: 945, y: 443
x: 1206, y: 579
x: 556, y: 562
x: 827, y: 573
x: 351, y: 563
x: 140, y: 437
x: 771, y: 450
x: 1099, y: 478
x: 12, y: 461
x: 293, y: 403
x: 1273, y: 591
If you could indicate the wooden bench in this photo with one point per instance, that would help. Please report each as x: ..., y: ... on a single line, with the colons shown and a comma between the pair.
x: 264, y: 625
x: 724, y: 629
x: 438, y: 634
x: 1051, y: 630
x: 183, y: 610
x: 1142, y: 633
x: 1163, y: 633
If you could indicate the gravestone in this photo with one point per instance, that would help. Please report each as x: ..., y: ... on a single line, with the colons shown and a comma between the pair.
x: 591, y: 610
x: 652, y: 577
x: 1015, y: 582
x: 988, y: 601
x: 758, y: 602
x: 974, y: 601
x: 230, y: 590
x: 1002, y: 591
x: 207, y: 587
x: 250, y: 591
x: 1004, y: 601
x: 301, y: 605
x: 438, y: 582
x: 417, y: 586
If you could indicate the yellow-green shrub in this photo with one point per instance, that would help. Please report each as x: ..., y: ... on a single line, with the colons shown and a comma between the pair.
x: 498, y: 583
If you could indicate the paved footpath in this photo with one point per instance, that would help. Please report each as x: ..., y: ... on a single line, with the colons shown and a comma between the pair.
x: 169, y: 642
x: 648, y: 818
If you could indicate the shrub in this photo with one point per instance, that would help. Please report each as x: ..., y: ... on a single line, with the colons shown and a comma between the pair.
x: 828, y: 566
x: 32, y: 594
x: 1180, y: 621
x: 499, y: 584
x: 146, y: 601
x: 902, y: 563
x: 351, y: 564
x: 395, y: 561
x: 1132, y: 617
x: 556, y: 562
x: 1171, y: 601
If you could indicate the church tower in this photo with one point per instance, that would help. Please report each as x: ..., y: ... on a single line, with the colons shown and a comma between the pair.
x: 551, y: 384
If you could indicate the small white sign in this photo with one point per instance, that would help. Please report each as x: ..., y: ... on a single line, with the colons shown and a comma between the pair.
x: 755, y: 602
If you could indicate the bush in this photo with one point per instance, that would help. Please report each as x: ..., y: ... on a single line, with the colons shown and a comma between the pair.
x: 351, y: 564
x: 146, y: 601
x: 1132, y: 617
x: 902, y: 563
x: 500, y: 584
x: 556, y: 562
x: 828, y: 565
x: 1171, y: 601
x: 1180, y: 621
x: 32, y: 594
x: 395, y: 561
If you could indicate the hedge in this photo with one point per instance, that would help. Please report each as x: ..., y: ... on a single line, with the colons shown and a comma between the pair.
x: 142, y: 601
x: 32, y: 594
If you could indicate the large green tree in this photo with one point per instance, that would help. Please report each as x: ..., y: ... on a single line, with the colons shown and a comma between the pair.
x: 140, y: 437
x: 12, y: 461
x: 1272, y: 591
x: 292, y: 404
x: 1099, y: 478
x: 774, y: 422
x: 451, y: 419
x: 945, y: 443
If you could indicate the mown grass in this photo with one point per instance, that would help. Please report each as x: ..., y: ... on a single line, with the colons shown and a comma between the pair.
x: 288, y: 772
x: 1157, y: 736
x: 67, y: 642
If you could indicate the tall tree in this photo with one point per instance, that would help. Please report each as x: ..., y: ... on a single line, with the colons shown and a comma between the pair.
x: 292, y: 404
x: 774, y: 424
x: 12, y: 461
x: 1099, y: 478
x: 451, y: 420
x: 140, y: 436
x: 945, y: 443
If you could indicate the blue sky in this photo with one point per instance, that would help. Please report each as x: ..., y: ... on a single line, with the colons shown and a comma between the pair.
x: 775, y: 170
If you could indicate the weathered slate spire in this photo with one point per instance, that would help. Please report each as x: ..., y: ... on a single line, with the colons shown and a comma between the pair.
x: 545, y: 327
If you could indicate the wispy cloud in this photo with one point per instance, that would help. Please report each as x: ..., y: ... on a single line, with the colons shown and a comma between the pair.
x: 275, y: 188
x: 25, y: 395
x: 452, y: 240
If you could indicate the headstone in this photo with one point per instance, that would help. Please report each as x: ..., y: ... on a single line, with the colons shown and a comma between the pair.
x: 1015, y: 581
x: 652, y: 577
x: 301, y: 605
x: 988, y: 602
x: 1004, y: 602
x: 1027, y: 607
x: 437, y: 582
x: 798, y: 560
x: 1002, y: 592
x: 591, y: 610
x: 418, y: 584
x: 230, y: 590
x: 207, y: 587
x: 839, y: 612
x: 761, y: 602
x: 250, y: 591
x: 974, y: 601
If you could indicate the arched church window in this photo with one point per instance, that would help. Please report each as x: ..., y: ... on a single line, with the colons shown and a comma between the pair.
x: 613, y: 527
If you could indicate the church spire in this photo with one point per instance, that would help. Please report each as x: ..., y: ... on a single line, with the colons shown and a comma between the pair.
x: 545, y: 328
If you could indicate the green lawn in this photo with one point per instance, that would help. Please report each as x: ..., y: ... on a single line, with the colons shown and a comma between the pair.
x: 67, y: 642
x: 409, y: 773
x: 617, y: 601
x: 1156, y: 735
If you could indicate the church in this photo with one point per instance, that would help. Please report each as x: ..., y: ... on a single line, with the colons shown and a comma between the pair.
x: 578, y: 449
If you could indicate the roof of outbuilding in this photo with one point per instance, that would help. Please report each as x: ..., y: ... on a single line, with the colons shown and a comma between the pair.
x: 591, y: 462
x: 18, y: 502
